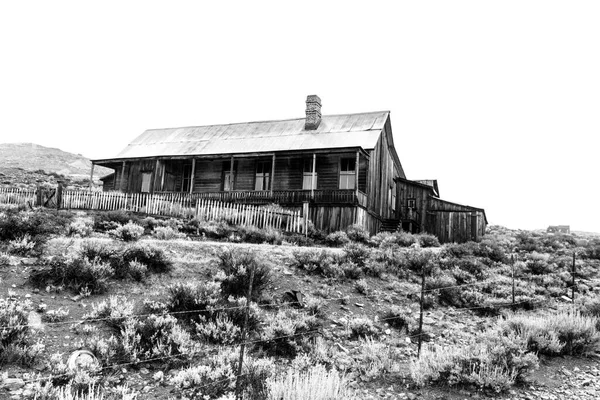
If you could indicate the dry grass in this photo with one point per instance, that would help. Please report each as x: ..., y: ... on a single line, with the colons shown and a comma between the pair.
x: 315, y: 384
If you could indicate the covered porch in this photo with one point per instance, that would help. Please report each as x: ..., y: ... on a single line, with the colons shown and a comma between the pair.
x: 286, y: 178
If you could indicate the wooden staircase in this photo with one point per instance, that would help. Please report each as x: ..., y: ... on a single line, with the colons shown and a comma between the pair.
x: 389, y: 225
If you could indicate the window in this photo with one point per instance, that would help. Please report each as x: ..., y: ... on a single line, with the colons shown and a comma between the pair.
x: 263, y: 175
x: 146, y: 177
x: 412, y: 203
x: 308, y: 176
x: 347, y: 173
x: 187, y: 178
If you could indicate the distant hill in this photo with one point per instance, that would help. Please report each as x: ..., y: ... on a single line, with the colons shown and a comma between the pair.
x: 33, y: 157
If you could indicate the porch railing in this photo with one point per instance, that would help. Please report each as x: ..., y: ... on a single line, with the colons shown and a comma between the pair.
x: 286, y: 196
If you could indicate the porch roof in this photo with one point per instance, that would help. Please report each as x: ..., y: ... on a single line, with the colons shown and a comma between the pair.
x: 335, y: 131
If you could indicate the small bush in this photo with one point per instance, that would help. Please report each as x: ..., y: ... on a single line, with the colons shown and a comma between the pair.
x: 492, y: 362
x: 154, y: 258
x: 109, y: 220
x: 16, y: 341
x: 166, y: 233
x: 77, y: 273
x: 337, y: 239
x: 137, y: 271
x: 287, y: 332
x: 404, y: 239
x: 357, y: 253
x: 193, y: 300
x: 427, y: 240
x: 361, y: 327
x: 114, y: 311
x: 39, y: 225
x: 565, y: 332
x: 357, y: 233
x: 22, y: 246
x: 221, y: 330
x: 5, y: 260
x: 81, y: 227
x: 398, y: 317
x: 130, y: 232
x: 60, y: 314
x: 362, y: 287
x: 237, y: 265
x: 252, y: 234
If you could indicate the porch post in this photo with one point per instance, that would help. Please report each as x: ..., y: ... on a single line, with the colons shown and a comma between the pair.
x: 92, y: 177
x: 231, y: 175
x: 162, y: 177
x: 356, y: 172
x: 121, y: 184
x: 272, y: 173
x: 312, y: 178
x: 153, y: 178
x: 192, y: 175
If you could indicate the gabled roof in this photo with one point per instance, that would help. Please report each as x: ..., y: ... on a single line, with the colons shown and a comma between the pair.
x: 335, y: 131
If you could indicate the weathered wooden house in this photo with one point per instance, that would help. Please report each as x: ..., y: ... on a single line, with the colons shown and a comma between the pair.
x: 345, y: 166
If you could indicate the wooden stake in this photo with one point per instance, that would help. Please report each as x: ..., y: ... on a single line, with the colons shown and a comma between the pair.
x: 238, y: 387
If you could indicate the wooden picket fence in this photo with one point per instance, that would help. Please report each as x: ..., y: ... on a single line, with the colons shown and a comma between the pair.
x: 185, y: 206
x: 17, y: 196
x: 251, y: 215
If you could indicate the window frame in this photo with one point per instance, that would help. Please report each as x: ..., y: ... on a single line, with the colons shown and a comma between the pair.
x: 264, y: 176
x: 307, y: 175
x: 345, y: 174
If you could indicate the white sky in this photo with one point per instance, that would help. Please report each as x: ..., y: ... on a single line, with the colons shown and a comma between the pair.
x: 498, y: 100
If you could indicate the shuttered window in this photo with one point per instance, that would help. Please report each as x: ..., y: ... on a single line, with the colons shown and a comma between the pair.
x: 347, y: 173
x: 263, y: 175
x: 308, y: 176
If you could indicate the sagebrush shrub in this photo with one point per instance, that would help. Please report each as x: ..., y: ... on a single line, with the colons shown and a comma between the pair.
x: 60, y: 314
x: 166, y: 233
x: 286, y: 332
x: 337, y: 239
x: 153, y: 258
x: 398, y: 317
x: 491, y: 362
x: 75, y: 272
x: 16, y: 339
x: 357, y: 253
x: 427, y: 240
x: 22, y: 246
x: 191, y: 300
x: 237, y: 265
x: 39, y: 225
x: 357, y: 233
x: 220, y: 330
x: 109, y: 220
x: 81, y: 227
x: 361, y: 327
x: 564, y: 332
x: 114, y: 311
x: 130, y: 232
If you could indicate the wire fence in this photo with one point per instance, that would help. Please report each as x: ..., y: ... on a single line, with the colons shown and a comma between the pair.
x: 419, y: 335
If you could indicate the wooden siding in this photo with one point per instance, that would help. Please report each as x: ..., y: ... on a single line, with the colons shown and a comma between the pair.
x: 456, y: 226
x: 336, y: 218
x: 452, y: 222
x: 407, y: 190
x: 383, y: 171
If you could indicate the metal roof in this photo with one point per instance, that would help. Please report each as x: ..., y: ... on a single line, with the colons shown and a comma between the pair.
x: 335, y: 131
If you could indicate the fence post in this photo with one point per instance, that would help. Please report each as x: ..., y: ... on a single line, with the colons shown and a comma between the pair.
x: 573, y: 280
x: 238, y: 382
x: 305, y: 215
x: 421, y: 311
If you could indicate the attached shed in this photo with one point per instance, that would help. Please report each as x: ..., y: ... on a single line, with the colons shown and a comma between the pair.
x: 421, y: 210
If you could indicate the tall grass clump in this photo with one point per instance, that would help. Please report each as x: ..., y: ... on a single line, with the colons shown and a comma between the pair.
x: 315, y: 384
x: 564, y: 332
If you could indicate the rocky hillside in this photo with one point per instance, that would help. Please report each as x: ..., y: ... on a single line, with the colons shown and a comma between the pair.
x: 33, y: 157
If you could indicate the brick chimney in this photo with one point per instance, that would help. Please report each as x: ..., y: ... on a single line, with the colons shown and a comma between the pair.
x: 313, y: 112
